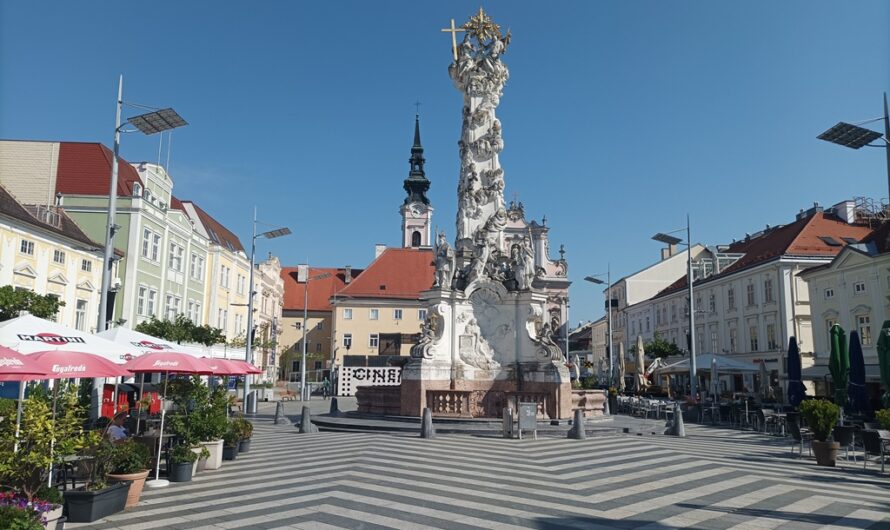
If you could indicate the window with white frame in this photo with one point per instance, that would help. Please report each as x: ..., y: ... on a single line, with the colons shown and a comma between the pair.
x: 673, y: 312
x: 319, y: 325
x: 751, y: 299
x: 714, y: 340
x: 59, y: 256
x: 347, y: 340
x: 241, y: 284
x: 155, y: 247
x: 768, y: 290
x: 829, y: 293
x: 712, y: 303
x: 170, y: 313
x: 238, y: 327
x: 863, y: 324
x: 772, y: 342
x: 647, y: 323
x: 27, y: 247
x: 151, y: 306
x: 397, y: 314
x: 733, y: 340
x: 80, y: 315
x: 374, y: 314
x: 191, y: 310
x: 140, y: 301
x: 752, y: 334
x: 221, y: 318
x: 421, y: 315
x: 196, y: 267
x: 146, y: 243
x: 347, y: 313
x: 199, y: 317
x: 86, y: 265
x: 373, y: 340
x: 224, y: 276
x: 859, y: 288
x: 174, y: 262
x: 730, y: 298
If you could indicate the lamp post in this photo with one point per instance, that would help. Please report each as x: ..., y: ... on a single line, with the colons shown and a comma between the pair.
x: 854, y: 136
x: 594, y: 279
x: 671, y: 240
x: 158, y: 120
x: 248, y: 354
x: 304, y: 394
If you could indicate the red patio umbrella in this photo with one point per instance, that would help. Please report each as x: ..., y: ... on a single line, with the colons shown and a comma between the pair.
x: 166, y: 362
x: 224, y: 366
x: 248, y: 368
x: 17, y: 367
x: 65, y: 364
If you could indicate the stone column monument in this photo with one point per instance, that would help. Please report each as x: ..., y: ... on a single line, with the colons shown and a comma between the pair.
x: 487, y: 342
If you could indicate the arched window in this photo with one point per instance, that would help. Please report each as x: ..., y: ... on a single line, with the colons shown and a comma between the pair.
x: 415, y: 239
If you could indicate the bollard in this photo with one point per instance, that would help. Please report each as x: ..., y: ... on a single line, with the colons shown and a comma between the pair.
x: 279, y: 412
x: 426, y: 424
x: 577, y: 431
x: 335, y: 410
x: 679, y: 428
x: 306, y: 422
x: 508, y: 422
x: 606, y: 411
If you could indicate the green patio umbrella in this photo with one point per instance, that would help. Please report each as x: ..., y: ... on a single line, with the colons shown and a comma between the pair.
x: 884, y: 360
x: 839, y: 364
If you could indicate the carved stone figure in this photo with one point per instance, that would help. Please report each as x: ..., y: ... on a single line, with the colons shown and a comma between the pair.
x: 444, y: 262
x: 547, y: 346
x: 474, y: 349
x: 480, y: 259
x: 430, y: 334
x: 524, y: 263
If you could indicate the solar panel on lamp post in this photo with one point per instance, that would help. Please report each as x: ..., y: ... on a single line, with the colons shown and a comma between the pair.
x: 673, y: 240
x: 148, y: 123
x: 855, y: 137
x: 608, y: 282
x: 250, y: 404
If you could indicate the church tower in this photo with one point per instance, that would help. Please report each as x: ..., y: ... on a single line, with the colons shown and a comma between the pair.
x: 417, y: 214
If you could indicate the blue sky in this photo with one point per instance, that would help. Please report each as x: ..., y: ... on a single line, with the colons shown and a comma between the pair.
x: 619, y: 117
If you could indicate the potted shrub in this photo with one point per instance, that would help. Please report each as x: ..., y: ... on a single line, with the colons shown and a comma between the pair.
x: 182, y: 460
x: 231, y: 439
x: 129, y: 461
x: 97, y: 498
x: 245, y: 430
x: 883, y: 417
x: 822, y: 416
x: 211, y: 423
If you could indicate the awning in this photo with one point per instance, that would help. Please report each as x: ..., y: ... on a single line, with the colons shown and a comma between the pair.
x: 820, y: 372
x: 725, y: 365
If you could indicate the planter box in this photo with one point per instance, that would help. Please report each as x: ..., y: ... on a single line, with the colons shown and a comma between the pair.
x: 198, y: 465
x: 825, y: 452
x: 137, y: 482
x: 88, y: 506
x: 54, y: 518
x: 214, y: 461
x: 180, y: 472
x: 230, y: 453
x: 244, y: 446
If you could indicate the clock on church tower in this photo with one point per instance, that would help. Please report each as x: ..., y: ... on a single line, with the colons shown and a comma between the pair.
x: 417, y: 213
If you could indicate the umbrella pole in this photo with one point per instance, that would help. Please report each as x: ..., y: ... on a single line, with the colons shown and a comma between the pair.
x: 18, y: 415
x: 141, y: 394
x: 157, y: 482
x: 52, y: 442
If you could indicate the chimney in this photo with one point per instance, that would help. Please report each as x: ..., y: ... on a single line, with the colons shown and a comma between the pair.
x: 668, y: 251
x: 347, y: 274
x: 378, y: 250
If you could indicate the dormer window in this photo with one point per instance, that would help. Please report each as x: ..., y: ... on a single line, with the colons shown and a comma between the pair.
x: 137, y: 189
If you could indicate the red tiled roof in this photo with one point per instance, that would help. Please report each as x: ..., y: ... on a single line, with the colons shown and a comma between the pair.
x: 401, y: 273
x: 217, y: 232
x: 880, y: 236
x: 85, y: 169
x: 10, y: 206
x: 800, y: 238
x: 320, y: 291
x: 176, y: 204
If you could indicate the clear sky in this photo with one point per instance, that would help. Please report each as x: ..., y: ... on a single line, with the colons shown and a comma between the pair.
x: 619, y: 117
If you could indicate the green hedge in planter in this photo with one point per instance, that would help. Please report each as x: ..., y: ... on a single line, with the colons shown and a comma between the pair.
x: 821, y: 416
x: 183, y: 454
x: 883, y: 417
x: 128, y: 457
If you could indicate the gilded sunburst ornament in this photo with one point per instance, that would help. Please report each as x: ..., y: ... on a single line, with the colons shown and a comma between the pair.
x: 482, y: 26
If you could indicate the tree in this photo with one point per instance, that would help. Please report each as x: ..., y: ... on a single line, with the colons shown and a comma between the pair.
x: 180, y: 330
x: 13, y: 301
x: 661, y: 348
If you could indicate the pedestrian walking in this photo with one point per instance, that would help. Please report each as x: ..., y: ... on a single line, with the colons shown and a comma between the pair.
x: 326, y: 388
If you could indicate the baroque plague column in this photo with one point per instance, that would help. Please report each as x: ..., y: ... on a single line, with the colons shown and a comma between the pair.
x: 488, y: 340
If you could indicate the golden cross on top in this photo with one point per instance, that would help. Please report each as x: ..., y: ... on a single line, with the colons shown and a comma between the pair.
x: 453, y: 30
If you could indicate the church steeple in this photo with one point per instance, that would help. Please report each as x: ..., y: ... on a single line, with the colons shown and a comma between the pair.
x: 416, y: 211
x: 416, y: 184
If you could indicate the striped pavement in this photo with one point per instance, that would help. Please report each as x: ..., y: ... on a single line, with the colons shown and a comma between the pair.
x: 714, y: 479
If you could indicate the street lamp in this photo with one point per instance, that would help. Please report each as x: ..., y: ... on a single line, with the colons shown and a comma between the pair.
x: 304, y: 394
x: 248, y: 355
x: 158, y: 120
x: 594, y: 279
x: 854, y: 136
x: 671, y: 240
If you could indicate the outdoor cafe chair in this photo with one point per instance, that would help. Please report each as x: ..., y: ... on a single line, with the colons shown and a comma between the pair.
x: 800, y: 436
x: 875, y: 443
x: 767, y: 419
x: 844, y: 435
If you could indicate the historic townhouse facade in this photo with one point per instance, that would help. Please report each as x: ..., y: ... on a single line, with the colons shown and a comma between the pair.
x: 853, y: 290
x: 268, y: 301
x: 43, y: 250
x: 750, y: 309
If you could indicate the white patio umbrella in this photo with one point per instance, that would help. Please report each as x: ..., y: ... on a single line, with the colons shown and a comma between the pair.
x: 641, y: 364
x: 29, y: 334
x: 143, y: 343
x: 621, y: 366
x: 714, y: 377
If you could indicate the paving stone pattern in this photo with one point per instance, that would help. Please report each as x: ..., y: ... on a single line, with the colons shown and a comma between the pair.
x: 714, y: 479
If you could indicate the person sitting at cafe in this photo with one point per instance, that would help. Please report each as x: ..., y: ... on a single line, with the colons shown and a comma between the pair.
x: 116, y: 432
